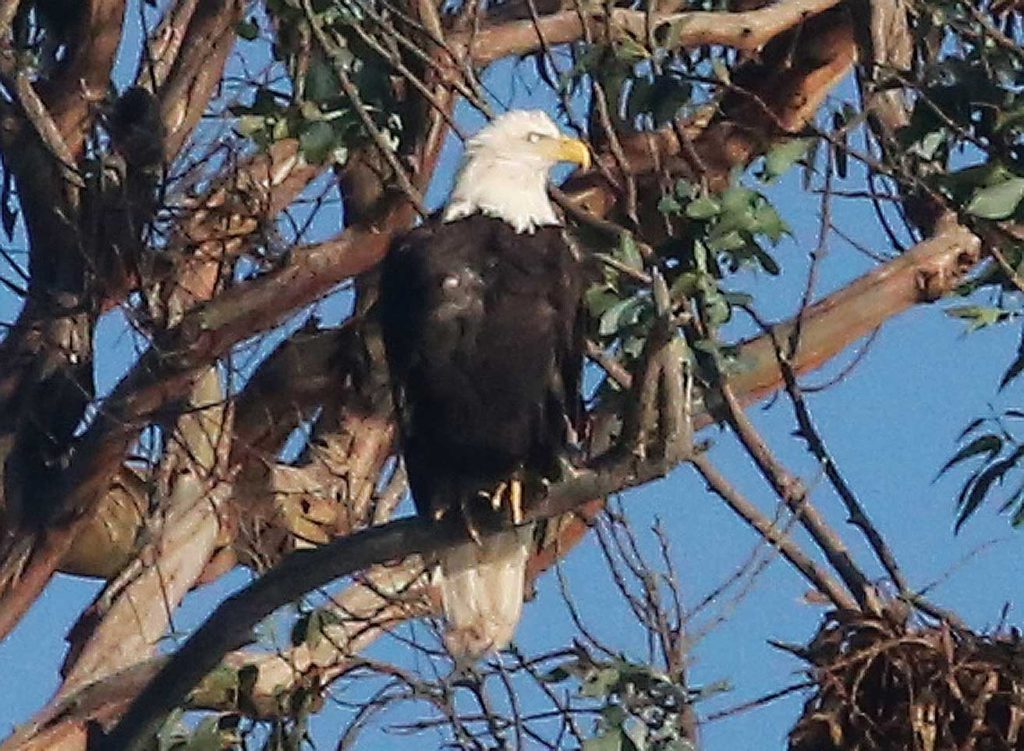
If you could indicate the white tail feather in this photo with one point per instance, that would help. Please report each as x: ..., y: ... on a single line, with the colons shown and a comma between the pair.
x: 482, y: 592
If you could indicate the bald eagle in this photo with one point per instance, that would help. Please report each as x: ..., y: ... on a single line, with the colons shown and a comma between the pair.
x: 480, y: 318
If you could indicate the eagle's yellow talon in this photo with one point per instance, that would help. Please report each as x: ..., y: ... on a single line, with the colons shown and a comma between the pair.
x: 510, y: 492
x: 474, y: 533
x: 515, y: 501
x: 498, y: 496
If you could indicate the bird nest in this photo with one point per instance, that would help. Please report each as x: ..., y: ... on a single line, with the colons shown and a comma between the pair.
x: 881, y: 686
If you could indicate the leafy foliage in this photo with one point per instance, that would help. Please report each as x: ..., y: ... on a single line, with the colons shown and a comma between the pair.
x: 969, y: 103
x: 719, y: 234
x: 316, y: 110
x: 964, y: 144
x: 1000, y: 452
x: 210, y: 734
x: 641, y: 707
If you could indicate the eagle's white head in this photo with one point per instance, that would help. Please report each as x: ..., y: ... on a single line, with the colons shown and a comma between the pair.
x: 504, y: 172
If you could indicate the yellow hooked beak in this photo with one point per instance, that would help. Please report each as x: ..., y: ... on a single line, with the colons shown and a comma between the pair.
x: 571, y: 150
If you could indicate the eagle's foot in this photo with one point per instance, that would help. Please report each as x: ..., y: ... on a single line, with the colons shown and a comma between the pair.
x: 567, y: 468
x: 512, y: 490
x: 515, y: 501
x: 498, y: 496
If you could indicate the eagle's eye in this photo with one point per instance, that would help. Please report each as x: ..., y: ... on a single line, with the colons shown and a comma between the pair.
x: 534, y: 137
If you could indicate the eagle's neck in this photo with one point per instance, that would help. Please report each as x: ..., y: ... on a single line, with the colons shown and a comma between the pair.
x: 514, y: 191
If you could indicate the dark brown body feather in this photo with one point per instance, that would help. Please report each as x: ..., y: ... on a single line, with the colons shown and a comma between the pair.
x: 481, y: 327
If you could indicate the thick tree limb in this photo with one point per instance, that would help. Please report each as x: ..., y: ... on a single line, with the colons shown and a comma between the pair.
x: 82, y: 80
x: 198, y: 69
x: 165, y: 44
x: 125, y: 624
x: 748, y: 30
x: 232, y: 622
x: 924, y: 274
x: 162, y: 374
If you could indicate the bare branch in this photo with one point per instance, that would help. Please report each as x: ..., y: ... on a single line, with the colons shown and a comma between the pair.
x: 198, y: 69
x: 748, y: 30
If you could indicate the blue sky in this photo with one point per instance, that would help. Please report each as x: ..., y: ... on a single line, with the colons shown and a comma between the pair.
x: 890, y: 425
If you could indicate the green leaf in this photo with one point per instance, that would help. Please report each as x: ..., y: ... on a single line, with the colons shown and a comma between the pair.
x: 207, y: 736
x: 609, y: 741
x: 703, y: 208
x: 172, y: 734
x: 556, y: 675
x: 248, y: 29
x: 686, y: 285
x: 614, y: 715
x: 281, y: 129
x: 768, y: 263
x: 738, y: 200
x: 980, y: 485
x: 630, y: 50
x: 721, y: 70
x: 620, y: 315
x: 928, y: 146
x: 632, y: 346
x: 670, y: 95
x: 265, y: 102
x: 997, y: 201
x: 1016, y: 367
x: 669, y: 205
x: 738, y: 298
x: 779, y: 160
x: 628, y: 253
x: 250, y: 125
x: 979, y: 316
x: 990, y: 444
x: 317, y: 141
x: 600, y: 683
x: 321, y: 84
x: 639, y: 100
x: 728, y: 241
x: 768, y: 222
x: 717, y: 310
x: 635, y: 736
x: 599, y: 298
x: 300, y: 630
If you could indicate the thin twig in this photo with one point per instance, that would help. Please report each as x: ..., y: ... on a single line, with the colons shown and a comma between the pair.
x: 819, y: 578
x: 362, y: 111
x: 793, y: 492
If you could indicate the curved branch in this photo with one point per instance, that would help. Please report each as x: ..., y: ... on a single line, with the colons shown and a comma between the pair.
x: 232, y: 622
x: 198, y: 69
x: 923, y: 274
x: 748, y: 30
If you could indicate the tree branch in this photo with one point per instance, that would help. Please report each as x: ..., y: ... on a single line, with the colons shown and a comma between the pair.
x: 232, y: 622
x: 748, y: 30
